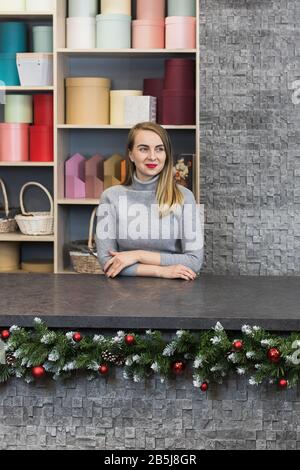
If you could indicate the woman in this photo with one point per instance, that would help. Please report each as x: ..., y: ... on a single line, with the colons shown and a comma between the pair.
x: 144, y: 225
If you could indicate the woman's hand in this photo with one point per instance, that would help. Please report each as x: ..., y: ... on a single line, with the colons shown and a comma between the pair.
x: 120, y: 261
x: 177, y: 271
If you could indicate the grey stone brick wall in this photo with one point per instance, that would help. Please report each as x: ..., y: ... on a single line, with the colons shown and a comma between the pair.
x: 117, y: 414
x: 250, y: 136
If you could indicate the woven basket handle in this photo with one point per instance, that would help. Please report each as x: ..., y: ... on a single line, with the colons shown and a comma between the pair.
x: 90, y: 243
x: 39, y: 186
x: 4, y: 197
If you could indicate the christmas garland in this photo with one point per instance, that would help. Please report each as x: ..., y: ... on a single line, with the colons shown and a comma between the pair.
x: 212, y: 355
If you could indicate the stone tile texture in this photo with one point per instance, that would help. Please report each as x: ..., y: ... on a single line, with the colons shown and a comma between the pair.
x: 250, y: 137
x: 114, y: 413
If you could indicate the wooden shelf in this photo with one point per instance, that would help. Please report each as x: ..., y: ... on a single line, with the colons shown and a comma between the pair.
x: 108, y: 127
x: 124, y: 52
x: 78, y: 202
x: 27, y: 15
x: 26, y: 88
x: 27, y: 164
x: 19, y: 237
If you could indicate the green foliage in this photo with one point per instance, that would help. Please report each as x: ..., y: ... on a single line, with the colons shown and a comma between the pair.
x: 213, y: 354
x: 5, y: 373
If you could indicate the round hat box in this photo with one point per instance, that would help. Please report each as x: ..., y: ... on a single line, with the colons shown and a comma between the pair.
x: 87, y: 100
x: 118, y: 7
x: 12, y: 5
x: 18, y: 109
x: 117, y: 105
x: 14, y: 142
x: 180, y: 32
x: 83, y: 8
x: 38, y: 266
x: 113, y: 31
x: 153, y: 10
x: 40, y: 5
x: 148, y: 34
x: 9, y: 257
x: 81, y: 33
x: 182, y: 8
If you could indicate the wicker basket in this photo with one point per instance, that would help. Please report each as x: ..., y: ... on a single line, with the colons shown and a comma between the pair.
x: 7, y: 225
x: 36, y: 223
x: 83, y: 257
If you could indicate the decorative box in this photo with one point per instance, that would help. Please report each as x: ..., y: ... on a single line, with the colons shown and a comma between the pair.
x: 75, y: 177
x: 94, y: 177
x: 140, y: 109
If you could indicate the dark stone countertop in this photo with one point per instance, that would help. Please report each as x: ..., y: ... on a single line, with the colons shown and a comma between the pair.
x: 72, y: 301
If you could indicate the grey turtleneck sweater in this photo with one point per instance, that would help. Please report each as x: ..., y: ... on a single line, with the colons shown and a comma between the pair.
x: 123, y: 224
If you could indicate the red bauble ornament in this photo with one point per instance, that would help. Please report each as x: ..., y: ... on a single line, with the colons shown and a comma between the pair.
x: 274, y: 355
x: 103, y: 370
x: 38, y: 372
x: 204, y: 387
x: 178, y: 367
x: 238, y: 345
x: 129, y: 340
x: 283, y: 383
x: 77, y: 337
x: 5, y: 334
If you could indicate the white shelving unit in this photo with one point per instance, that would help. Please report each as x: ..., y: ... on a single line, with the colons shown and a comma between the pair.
x: 126, y: 68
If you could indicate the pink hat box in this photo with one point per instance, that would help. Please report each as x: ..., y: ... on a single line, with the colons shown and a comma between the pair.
x: 149, y: 10
x: 148, y: 34
x: 180, y: 32
x: 14, y: 142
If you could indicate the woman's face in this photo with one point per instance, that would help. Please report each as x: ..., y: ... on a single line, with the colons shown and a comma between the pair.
x: 148, y: 154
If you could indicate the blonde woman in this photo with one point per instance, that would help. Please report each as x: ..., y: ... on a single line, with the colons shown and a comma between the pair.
x: 142, y: 225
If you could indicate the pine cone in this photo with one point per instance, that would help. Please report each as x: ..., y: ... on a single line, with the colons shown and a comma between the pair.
x: 107, y: 356
x: 10, y: 359
x: 120, y: 361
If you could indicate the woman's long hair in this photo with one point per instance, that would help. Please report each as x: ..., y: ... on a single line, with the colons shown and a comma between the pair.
x: 168, y: 195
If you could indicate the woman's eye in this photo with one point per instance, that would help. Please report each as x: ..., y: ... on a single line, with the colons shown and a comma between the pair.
x: 143, y: 149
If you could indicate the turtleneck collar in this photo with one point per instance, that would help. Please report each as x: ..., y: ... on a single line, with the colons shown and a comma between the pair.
x: 149, y: 185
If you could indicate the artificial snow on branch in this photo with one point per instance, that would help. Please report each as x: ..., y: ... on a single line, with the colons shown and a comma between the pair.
x: 210, y: 356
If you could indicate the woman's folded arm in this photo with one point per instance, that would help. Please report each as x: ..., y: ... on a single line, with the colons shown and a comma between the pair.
x: 106, y: 239
x: 191, y: 238
x: 192, y: 260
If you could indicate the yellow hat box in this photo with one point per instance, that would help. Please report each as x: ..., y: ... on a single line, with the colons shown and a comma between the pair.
x: 9, y: 257
x: 38, y: 266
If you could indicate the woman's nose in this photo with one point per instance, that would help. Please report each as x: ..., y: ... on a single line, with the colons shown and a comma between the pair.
x: 152, y: 154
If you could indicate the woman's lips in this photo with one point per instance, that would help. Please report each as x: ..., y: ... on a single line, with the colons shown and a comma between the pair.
x: 151, y: 166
